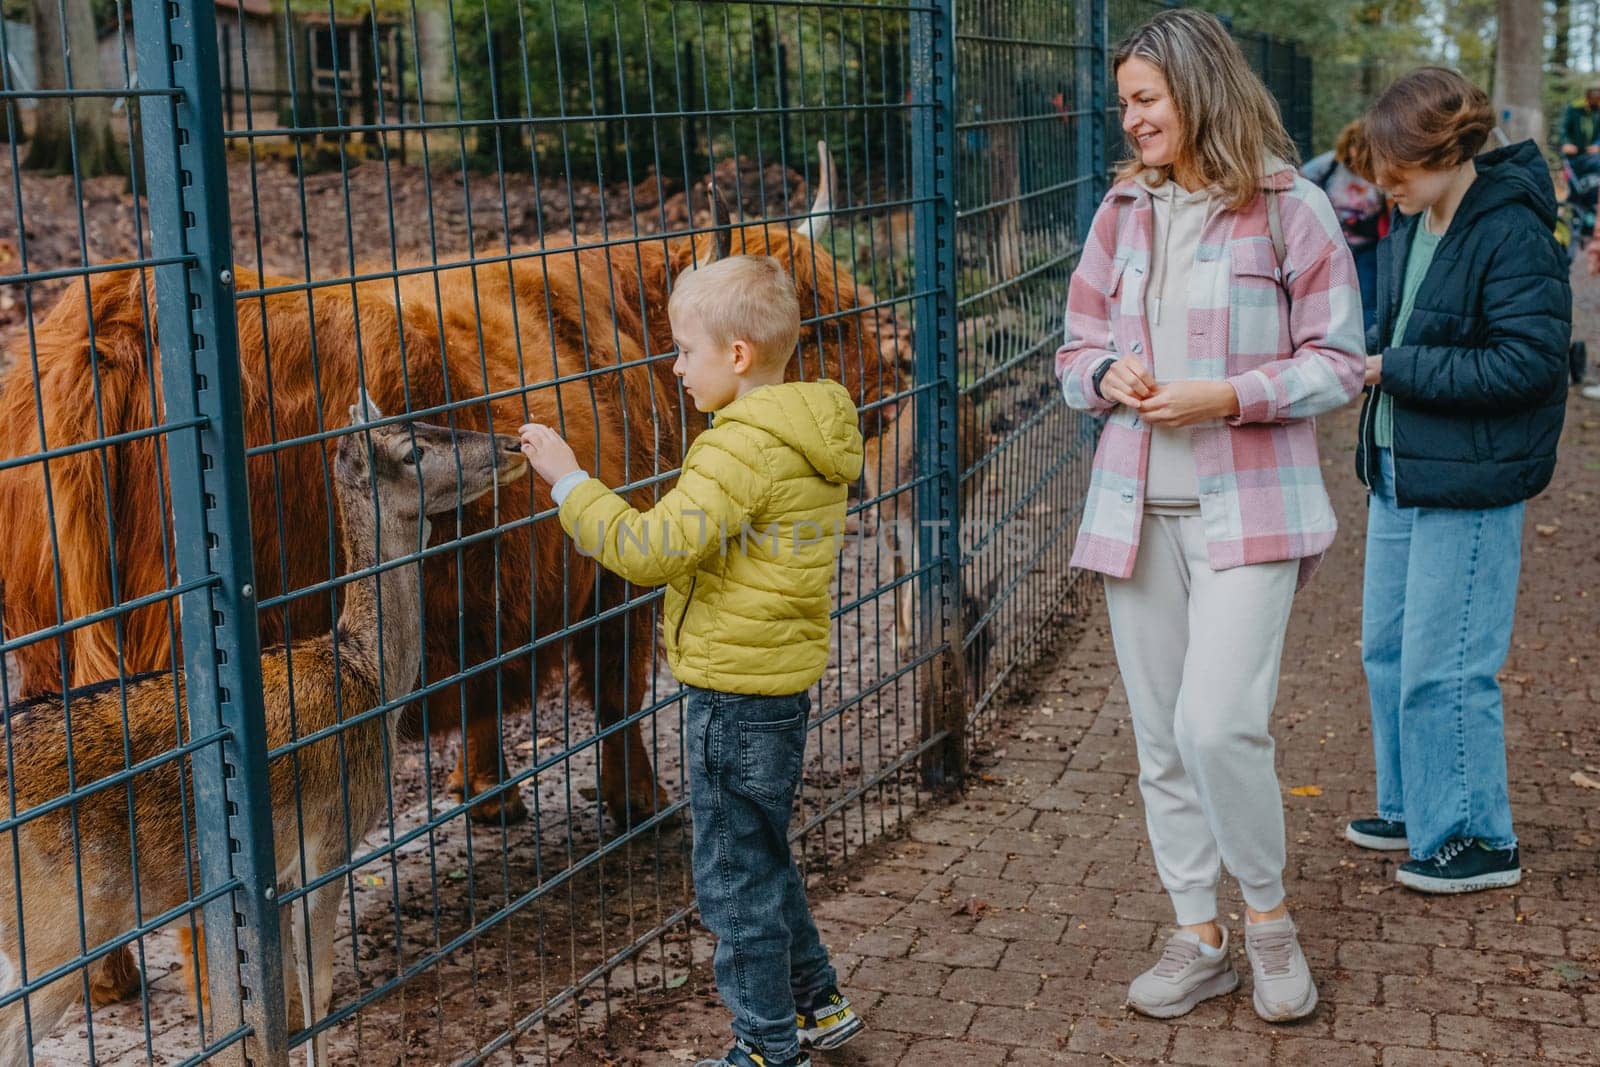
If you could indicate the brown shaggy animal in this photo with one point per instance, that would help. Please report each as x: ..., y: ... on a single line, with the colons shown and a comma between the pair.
x: 592, y: 317
x: 567, y: 313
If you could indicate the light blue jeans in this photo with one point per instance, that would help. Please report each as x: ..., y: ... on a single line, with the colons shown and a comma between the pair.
x: 1437, y: 607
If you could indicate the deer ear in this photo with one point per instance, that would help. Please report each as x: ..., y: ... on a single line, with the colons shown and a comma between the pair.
x: 365, y: 409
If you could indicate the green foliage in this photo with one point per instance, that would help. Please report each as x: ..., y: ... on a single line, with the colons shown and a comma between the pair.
x: 1360, y: 46
x: 596, y: 78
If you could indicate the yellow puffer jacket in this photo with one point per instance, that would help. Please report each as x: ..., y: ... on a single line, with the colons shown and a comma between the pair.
x: 746, y: 542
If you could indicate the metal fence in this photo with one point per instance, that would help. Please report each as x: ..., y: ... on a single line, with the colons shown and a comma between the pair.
x: 280, y: 773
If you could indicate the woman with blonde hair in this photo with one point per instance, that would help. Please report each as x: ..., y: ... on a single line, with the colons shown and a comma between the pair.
x: 1213, y: 314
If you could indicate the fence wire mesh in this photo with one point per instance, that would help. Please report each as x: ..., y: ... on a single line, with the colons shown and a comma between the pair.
x: 289, y: 767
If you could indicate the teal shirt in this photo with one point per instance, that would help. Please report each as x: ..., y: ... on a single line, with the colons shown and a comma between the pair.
x: 1424, y: 243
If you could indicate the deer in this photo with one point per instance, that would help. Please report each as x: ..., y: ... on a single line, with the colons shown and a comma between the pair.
x: 326, y: 795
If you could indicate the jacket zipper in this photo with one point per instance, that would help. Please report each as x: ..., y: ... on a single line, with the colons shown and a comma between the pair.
x: 687, y: 600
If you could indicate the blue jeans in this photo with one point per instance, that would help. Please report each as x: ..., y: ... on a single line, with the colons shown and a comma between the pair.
x: 1437, y: 607
x: 745, y: 755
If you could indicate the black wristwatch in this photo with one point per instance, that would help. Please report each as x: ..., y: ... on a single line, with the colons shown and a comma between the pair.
x: 1100, y: 373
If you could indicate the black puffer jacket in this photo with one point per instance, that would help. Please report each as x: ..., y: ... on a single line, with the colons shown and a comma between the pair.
x: 1480, y: 382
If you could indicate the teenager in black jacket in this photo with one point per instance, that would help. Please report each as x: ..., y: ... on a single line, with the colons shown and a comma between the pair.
x: 1459, y: 427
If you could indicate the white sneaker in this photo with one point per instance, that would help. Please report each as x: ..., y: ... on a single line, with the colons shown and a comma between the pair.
x: 1590, y: 392
x: 1284, y: 989
x: 1184, y: 976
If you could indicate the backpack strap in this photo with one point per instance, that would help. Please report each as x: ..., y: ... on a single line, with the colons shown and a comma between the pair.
x: 1275, y: 229
x: 1279, y: 250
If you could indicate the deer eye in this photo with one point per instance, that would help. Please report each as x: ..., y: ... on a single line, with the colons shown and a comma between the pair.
x: 411, y: 457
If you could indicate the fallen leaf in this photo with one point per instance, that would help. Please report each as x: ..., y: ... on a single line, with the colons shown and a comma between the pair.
x: 674, y: 983
x: 1570, y: 973
x: 1581, y: 779
x: 372, y: 879
x: 1547, y: 530
x: 1306, y: 791
x: 972, y: 906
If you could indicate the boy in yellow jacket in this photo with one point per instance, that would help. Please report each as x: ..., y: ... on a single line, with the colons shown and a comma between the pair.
x: 746, y: 544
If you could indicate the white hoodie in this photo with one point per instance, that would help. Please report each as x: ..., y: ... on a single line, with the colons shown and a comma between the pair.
x: 1179, y: 218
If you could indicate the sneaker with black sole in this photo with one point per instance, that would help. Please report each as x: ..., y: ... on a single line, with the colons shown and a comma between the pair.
x: 1463, y: 865
x: 742, y: 1055
x: 828, y: 1022
x: 1380, y: 834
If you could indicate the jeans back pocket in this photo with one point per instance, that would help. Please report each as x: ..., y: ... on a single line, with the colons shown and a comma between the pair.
x: 771, y: 759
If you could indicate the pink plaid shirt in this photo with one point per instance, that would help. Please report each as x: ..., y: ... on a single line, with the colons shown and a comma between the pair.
x: 1260, y: 480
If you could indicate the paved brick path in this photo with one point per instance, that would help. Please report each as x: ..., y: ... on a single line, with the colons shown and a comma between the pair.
x: 1004, y: 928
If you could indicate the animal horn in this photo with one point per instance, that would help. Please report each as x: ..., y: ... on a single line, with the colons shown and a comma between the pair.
x: 816, y: 222
x: 723, y: 230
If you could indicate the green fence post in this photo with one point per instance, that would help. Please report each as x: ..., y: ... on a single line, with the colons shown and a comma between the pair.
x: 188, y: 182
x: 1091, y: 89
x: 938, y: 460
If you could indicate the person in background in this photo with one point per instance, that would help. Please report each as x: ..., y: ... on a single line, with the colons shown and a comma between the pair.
x: 1459, y: 428
x: 1345, y: 174
x: 1591, y: 255
x: 1580, y: 124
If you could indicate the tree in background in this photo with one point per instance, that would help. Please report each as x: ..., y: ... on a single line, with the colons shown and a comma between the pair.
x: 71, y: 135
x: 1519, y: 69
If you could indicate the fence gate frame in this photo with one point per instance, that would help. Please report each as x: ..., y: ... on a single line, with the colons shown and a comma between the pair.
x: 200, y: 378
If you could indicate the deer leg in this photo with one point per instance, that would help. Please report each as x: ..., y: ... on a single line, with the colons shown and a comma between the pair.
x: 192, y: 950
x: 52, y: 939
x: 314, y: 922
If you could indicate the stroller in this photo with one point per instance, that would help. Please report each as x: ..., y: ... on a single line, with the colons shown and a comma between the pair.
x: 1576, y: 227
x: 1582, y: 174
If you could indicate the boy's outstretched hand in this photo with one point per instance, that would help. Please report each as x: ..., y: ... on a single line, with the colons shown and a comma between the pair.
x: 549, y: 456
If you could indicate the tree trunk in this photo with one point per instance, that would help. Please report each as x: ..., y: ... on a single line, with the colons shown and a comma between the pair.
x: 59, y: 121
x: 1519, y: 70
x: 998, y: 99
x: 1561, y: 54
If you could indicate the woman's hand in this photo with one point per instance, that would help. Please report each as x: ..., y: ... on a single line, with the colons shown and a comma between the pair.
x: 1128, y: 382
x: 547, y: 453
x: 1185, y: 403
x: 1374, y: 370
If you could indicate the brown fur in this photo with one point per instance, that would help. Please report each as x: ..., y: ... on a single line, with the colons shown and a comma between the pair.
x: 613, y: 299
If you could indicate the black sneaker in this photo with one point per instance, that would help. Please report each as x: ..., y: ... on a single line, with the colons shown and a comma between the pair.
x: 829, y: 1022
x: 1380, y: 834
x: 1463, y: 865
x: 742, y: 1055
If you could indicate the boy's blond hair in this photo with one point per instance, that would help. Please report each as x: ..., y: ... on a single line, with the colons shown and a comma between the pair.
x: 742, y: 298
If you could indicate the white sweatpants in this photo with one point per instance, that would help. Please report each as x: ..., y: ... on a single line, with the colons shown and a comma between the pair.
x: 1199, y: 653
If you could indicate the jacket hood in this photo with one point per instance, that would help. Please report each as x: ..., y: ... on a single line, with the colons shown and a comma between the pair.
x: 817, y: 419
x: 1515, y: 174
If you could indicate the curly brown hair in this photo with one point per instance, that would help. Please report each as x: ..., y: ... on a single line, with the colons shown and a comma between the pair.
x: 1432, y: 118
x: 1353, y: 151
